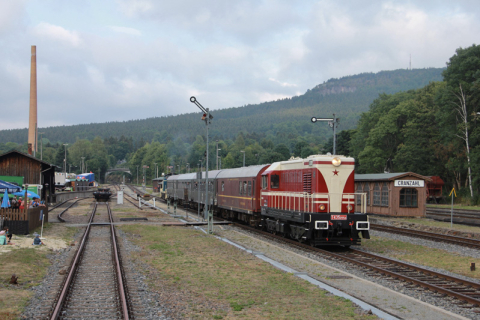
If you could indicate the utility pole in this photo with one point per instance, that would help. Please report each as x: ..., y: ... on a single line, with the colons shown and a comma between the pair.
x: 243, y: 157
x: 65, y: 160
x: 41, y: 145
x: 199, y: 178
x: 137, y: 175
x: 83, y: 165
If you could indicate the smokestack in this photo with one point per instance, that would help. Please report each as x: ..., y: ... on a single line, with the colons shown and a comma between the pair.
x: 32, y: 123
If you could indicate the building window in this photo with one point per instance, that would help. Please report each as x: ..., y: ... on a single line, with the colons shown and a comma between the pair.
x: 385, y: 195
x: 377, y: 195
x: 274, y: 181
x: 366, y: 189
x: 409, y: 198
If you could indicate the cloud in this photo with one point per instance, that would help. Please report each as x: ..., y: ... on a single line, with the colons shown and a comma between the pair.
x: 57, y: 33
x: 11, y: 13
x: 126, y: 30
x: 227, y: 54
x: 283, y: 84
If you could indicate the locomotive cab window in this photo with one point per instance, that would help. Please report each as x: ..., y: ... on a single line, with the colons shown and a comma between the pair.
x: 264, y: 182
x: 274, y: 181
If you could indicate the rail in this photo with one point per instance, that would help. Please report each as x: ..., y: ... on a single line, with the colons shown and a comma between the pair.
x: 76, y: 261
x: 434, y: 281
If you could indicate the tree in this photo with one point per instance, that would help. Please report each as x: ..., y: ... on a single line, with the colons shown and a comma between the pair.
x: 461, y: 108
x: 283, y: 150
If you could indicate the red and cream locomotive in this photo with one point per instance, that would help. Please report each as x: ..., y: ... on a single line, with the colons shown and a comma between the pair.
x: 312, y: 200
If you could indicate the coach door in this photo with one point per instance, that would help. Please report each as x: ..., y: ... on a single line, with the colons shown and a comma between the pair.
x: 185, y: 191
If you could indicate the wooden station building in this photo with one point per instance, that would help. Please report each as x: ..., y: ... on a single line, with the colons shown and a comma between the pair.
x: 393, y: 194
x: 33, y: 170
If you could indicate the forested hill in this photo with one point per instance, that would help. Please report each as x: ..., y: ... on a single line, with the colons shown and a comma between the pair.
x: 348, y: 97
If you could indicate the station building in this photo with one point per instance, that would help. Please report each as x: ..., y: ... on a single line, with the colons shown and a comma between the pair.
x: 34, y: 171
x: 393, y: 194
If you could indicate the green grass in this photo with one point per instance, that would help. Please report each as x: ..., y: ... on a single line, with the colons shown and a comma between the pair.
x: 455, y: 206
x: 240, y: 284
x: 433, y: 223
x: 30, y: 266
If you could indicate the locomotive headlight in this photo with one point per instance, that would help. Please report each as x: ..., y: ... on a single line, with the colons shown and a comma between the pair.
x: 336, y: 161
x: 322, y: 207
x: 349, y: 207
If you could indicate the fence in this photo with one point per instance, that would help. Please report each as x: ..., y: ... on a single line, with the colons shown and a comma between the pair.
x: 21, y: 222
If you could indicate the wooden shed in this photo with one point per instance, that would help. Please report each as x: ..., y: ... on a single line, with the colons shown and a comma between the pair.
x: 33, y: 170
x: 393, y: 194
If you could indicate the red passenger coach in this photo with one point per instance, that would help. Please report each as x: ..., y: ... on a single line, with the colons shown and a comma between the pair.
x: 238, y: 193
x: 314, y: 199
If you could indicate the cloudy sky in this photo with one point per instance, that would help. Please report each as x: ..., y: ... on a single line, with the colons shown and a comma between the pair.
x: 115, y: 60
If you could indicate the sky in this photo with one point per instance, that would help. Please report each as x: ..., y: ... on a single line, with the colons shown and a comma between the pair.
x: 119, y: 60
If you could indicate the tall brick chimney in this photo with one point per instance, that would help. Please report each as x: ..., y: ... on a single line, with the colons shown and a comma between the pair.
x: 32, y: 123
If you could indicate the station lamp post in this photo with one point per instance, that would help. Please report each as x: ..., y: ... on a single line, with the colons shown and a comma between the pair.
x: 137, y: 175
x: 218, y: 156
x: 333, y: 123
x: 65, y: 160
x: 207, y: 117
x: 199, y: 176
x: 41, y: 145
x: 243, y: 157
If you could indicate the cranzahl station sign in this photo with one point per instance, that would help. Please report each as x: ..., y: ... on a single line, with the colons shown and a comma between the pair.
x: 410, y: 183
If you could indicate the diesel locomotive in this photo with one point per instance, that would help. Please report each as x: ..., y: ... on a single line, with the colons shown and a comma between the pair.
x: 311, y: 200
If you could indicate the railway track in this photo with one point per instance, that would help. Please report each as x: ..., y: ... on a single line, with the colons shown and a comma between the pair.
x: 445, y: 214
x: 68, y: 206
x: 463, y: 292
x: 95, y: 287
x: 461, y: 241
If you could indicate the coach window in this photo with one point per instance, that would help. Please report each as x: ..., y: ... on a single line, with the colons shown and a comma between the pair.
x: 274, y: 181
x: 409, y: 198
x: 240, y: 187
x: 264, y: 182
x: 249, y: 193
x: 245, y: 187
x: 385, y: 195
x: 223, y: 186
x: 377, y: 195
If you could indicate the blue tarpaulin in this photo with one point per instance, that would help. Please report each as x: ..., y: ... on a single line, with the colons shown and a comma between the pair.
x: 30, y: 194
x: 89, y: 176
x: 9, y: 187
